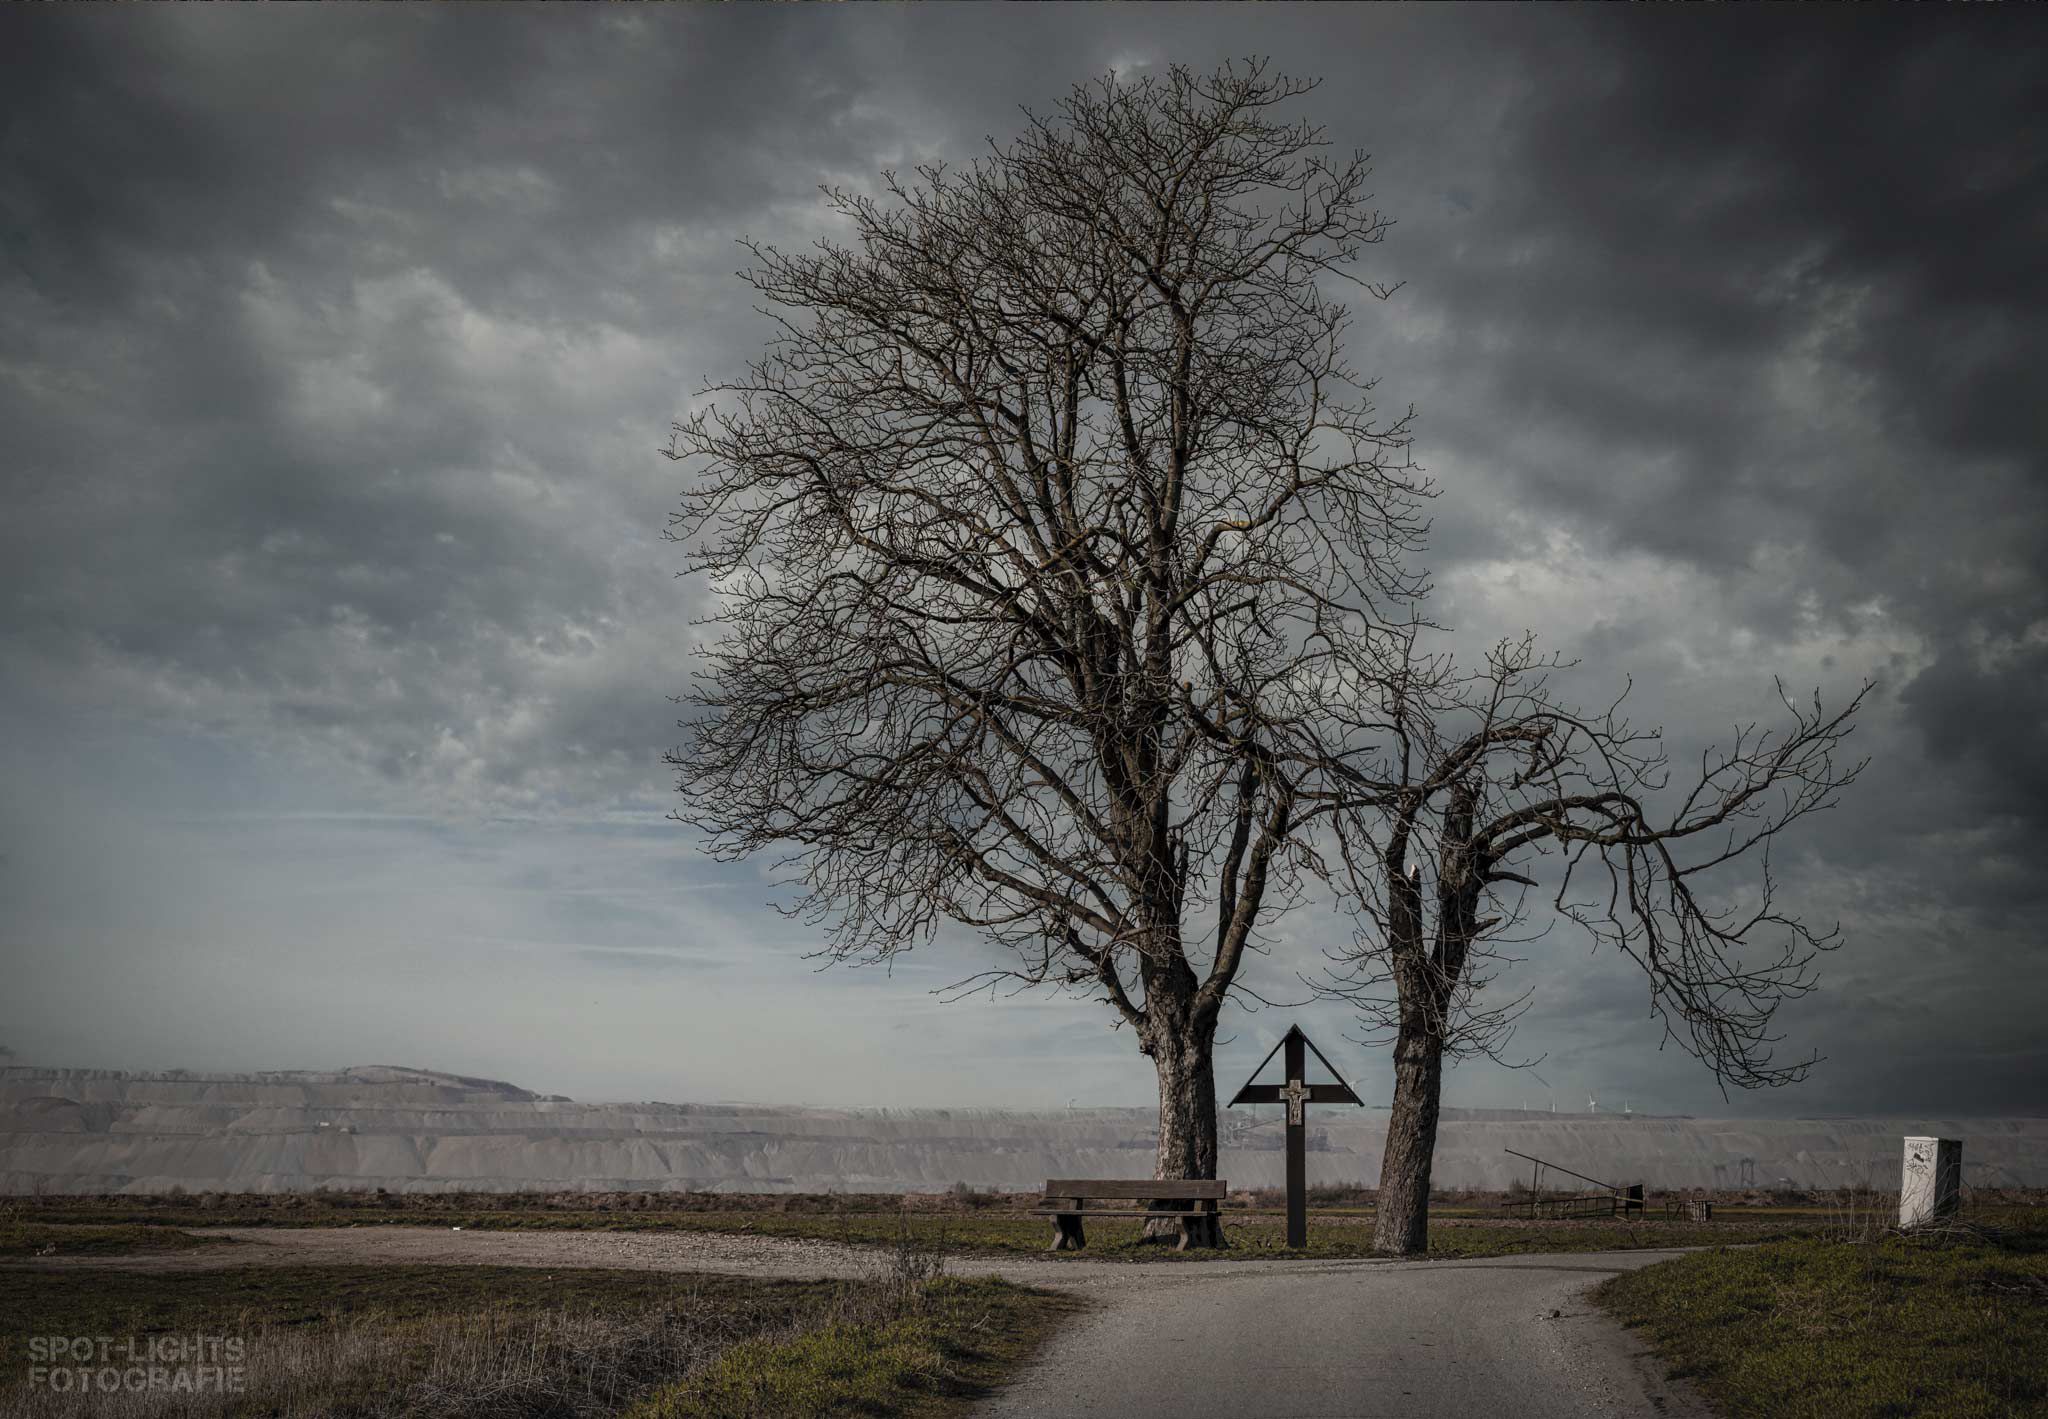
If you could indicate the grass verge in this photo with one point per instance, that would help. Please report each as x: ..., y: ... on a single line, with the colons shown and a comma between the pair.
x: 1334, y: 1233
x: 959, y: 1340
x: 1251, y: 1236
x: 377, y: 1342
x: 1808, y: 1328
x: 38, y: 1239
x: 983, y: 1229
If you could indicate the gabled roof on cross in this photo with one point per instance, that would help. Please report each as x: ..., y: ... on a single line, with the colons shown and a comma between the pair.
x: 1337, y: 1093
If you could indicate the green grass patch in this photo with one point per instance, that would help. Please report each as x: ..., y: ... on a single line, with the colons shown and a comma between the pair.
x: 957, y: 1343
x: 1807, y: 1327
x: 38, y: 1239
x: 1479, y: 1240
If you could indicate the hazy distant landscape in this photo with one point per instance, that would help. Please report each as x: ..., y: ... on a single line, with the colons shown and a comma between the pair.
x: 412, y: 1130
x: 855, y: 612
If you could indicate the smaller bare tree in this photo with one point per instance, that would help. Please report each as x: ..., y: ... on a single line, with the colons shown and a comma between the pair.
x: 1487, y: 775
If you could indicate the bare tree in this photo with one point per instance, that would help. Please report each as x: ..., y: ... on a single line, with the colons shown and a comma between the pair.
x: 1487, y: 774
x: 1047, y: 537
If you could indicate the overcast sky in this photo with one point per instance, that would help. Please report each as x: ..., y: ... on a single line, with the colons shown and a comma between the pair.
x: 336, y: 630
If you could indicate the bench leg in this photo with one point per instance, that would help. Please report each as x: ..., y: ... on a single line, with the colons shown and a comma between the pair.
x: 1067, y: 1233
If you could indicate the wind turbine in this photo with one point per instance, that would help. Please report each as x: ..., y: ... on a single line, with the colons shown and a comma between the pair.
x: 1592, y: 1104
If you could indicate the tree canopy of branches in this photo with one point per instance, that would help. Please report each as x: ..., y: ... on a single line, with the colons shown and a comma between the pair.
x: 1050, y: 538
x: 1486, y: 775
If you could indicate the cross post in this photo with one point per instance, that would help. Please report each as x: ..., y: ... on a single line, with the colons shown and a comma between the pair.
x: 1297, y: 1094
x: 1297, y: 1144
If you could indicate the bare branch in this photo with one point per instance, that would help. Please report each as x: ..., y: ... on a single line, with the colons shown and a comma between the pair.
x: 1535, y: 777
x: 1050, y: 539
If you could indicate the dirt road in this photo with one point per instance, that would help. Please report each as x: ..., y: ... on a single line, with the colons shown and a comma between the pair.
x: 453, y: 1246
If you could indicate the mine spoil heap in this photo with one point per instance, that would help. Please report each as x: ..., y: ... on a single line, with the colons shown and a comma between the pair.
x: 414, y: 1130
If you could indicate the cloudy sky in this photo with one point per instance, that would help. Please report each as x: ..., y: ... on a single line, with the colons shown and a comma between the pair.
x: 336, y: 629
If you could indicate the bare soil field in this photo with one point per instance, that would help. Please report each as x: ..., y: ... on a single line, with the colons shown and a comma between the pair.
x: 447, y: 1246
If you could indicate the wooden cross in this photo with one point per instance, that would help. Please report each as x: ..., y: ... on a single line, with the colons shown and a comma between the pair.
x: 1297, y: 1096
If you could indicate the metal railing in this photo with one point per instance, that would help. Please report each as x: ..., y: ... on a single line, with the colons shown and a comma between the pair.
x: 1614, y: 1199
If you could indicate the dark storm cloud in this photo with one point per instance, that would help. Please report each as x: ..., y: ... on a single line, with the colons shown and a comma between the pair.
x: 1746, y: 309
x: 333, y: 339
x: 339, y: 342
x: 1759, y: 285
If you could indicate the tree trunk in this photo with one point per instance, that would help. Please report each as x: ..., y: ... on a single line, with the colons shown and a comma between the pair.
x: 1187, y: 1113
x: 1187, y: 1110
x: 1403, y: 1226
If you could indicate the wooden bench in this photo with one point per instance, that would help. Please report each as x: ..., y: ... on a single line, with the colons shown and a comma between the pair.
x: 1067, y: 1201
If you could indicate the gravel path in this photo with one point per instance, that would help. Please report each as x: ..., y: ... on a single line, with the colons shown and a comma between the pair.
x: 1348, y: 1340
x: 1243, y: 1339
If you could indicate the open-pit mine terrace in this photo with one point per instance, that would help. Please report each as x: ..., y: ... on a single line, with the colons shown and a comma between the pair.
x: 412, y: 1130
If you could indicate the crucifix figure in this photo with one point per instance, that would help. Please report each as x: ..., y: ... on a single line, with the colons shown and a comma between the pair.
x: 1297, y: 1095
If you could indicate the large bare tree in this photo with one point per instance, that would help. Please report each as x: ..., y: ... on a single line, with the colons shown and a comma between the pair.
x: 1488, y: 775
x: 1047, y: 539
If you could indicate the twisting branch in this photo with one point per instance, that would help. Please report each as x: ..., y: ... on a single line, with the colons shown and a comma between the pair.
x: 1498, y: 775
x: 1049, y: 539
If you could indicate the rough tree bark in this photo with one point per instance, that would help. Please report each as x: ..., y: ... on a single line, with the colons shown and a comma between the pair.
x: 1183, y: 1058
x: 1402, y: 1225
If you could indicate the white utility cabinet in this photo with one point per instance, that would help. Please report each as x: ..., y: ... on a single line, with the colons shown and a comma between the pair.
x: 1931, y: 1189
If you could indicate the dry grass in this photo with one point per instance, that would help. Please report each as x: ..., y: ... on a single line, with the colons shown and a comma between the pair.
x: 479, y: 1366
x: 964, y: 1221
x: 498, y: 1343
